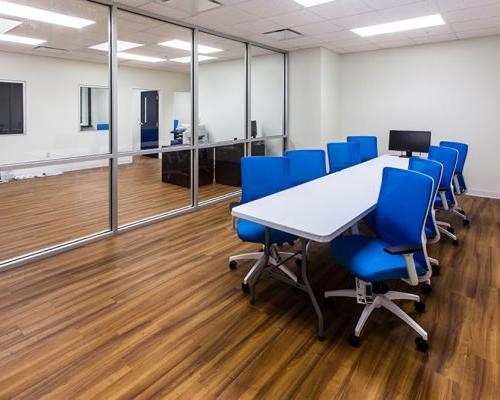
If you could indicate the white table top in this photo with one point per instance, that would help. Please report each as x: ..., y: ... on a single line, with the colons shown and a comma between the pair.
x: 322, y: 209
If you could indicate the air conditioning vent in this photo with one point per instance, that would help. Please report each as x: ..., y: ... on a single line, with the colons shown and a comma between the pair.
x: 192, y: 6
x: 50, y: 50
x: 283, y: 34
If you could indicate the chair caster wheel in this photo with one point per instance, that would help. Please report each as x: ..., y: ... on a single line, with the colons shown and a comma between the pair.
x: 419, y: 306
x: 436, y: 270
x: 354, y: 340
x: 455, y: 242
x: 298, y: 262
x: 233, y: 264
x: 252, y: 302
x: 291, y: 243
x: 426, y: 288
x: 245, y: 288
x: 466, y: 222
x: 450, y: 229
x: 328, y: 302
x: 422, y: 344
x: 321, y: 338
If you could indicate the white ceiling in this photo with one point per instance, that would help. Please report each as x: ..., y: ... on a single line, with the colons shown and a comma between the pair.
x: 325, y: 25
x: 328, y: 25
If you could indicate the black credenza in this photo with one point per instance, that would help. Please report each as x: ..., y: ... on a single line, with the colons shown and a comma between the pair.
x: 221, y: 163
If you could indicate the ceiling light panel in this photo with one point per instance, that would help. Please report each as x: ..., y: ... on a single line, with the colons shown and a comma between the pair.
x: 310, y: 3
x: 187, y: 59
x: 183, y: 45
x: 8, y: 24
x: 400, y: 26
x: 4, y: 37
x: 121, y: 46
x: 138, y: 57
x: 37, y: 14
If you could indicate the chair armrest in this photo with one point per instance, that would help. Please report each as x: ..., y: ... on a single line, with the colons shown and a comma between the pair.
x: 403, y: 249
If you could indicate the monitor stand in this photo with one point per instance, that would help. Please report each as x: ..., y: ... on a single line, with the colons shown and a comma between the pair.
x: 408, y: 154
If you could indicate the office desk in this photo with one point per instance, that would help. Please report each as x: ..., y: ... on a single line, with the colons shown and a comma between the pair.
x: 319, y: 211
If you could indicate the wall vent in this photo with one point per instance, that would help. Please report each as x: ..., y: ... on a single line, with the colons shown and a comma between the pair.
x: 49, y: 50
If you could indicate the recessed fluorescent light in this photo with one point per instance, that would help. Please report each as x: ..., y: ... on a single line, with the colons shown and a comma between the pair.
x: 138, y: 57
x: 37, y: 14
x: 310, y: 3
x: 182, y: 45
x: 187, y: 59
x: 121, y: 46
x: 4, y: 37
x: 399, y: 26
x: 8, y: 24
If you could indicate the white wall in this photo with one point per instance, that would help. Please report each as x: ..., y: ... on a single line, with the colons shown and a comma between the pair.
x: 314, y: 97
x: 451, y: 89
x: 52, y: 106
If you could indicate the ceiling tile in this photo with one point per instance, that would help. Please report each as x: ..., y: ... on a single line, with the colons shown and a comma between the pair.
x: 476, y: 24
x: 334, y: 36
x: 257, y: 26
x: 297, y: 18
x: 413, y: 10
x: 269, y: 8
x: 433, y: 30
x: 447, y: 5
x: 479, y: 33
x: 222, y: 16
x: 381, y: 4
x: 435, y: 38
x: 340, y: 8
x: 466, y: 14
x: 361, y: 20
x: 132, y: 3
x: 318, y: 28
x: 165, y: 11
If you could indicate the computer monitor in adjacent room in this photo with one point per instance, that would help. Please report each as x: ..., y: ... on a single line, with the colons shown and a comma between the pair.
x: 253, y: 132
x: 410, y: 141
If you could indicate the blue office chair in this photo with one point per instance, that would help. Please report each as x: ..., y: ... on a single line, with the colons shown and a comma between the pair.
x: 262, y: 176
x: 306, y: 165
x: 396, y: 253
x: 368, y: 146
x: 434, y: 170
x: 448, y: 158
x: 458, y: 179
x: 343, y: 155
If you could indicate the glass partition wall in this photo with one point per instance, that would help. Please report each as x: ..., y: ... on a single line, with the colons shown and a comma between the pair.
x: 97, y: 121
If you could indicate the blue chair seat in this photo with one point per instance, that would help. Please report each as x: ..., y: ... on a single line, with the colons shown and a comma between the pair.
x: 429, y: 233
x: 255, y: 233
x: 366, y: 259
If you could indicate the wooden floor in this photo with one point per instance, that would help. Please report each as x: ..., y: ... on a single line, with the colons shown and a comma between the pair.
x: 156, y: 313
x: 42, y: 212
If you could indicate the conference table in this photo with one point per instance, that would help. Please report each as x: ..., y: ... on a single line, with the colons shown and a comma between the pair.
x: 319, y: 211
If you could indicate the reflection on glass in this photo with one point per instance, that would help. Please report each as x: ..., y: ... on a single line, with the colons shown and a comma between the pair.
x: 47, y: 65
x: 274, y: 147
x: 219, y: 170
x: 94, y: 105
x: 267, y: 92
x: 154, y: 105
x: 222, y: 80
x: 153, y: 184
x: 46, y: 206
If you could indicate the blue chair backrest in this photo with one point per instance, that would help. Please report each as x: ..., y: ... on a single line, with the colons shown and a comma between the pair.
x: 343, y: 155
x: 430, y: 168
x: 306, y: 165
x: 263, y: 175
x: 448, y: 158
x: 403, y: 203
x: 368, y: 146
x: 462, y: 153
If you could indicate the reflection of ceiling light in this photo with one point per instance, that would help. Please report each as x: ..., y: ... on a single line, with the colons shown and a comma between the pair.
x: 37, y: 14
x: 187, y: 59
x: 138, y: 57
x: 20, y: 39
x: 8, y: 24
x: 310, y: 3
x: 399, y: 26
x: 181, y: 44
x: 121, y: 46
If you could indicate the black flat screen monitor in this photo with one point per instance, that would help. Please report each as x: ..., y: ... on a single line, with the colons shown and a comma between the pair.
x: 409, y: 141
x: 253, y: 132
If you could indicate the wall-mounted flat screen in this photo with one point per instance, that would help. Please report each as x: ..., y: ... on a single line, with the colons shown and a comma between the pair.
x: 410, y: 141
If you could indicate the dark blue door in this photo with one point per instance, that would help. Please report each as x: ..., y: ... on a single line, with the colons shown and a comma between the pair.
x: 149, y: 120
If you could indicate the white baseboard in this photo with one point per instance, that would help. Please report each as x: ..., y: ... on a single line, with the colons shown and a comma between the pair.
x: 482, y: 193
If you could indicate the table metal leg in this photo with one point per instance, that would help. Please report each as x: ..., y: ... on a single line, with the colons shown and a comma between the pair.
x: 319, y: 313
x: 263, y: 264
